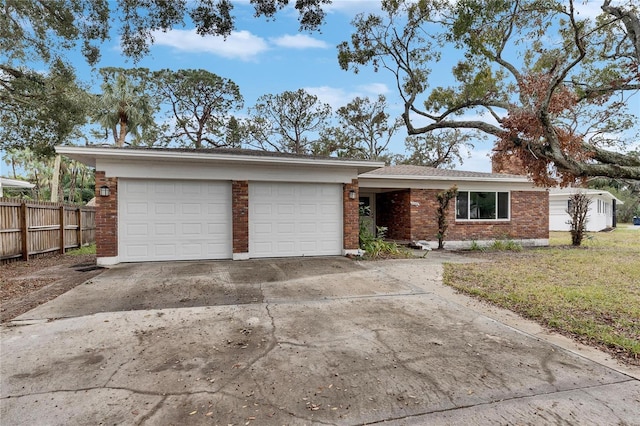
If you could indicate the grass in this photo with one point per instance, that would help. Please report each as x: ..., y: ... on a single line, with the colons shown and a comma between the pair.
x: 80, y: 251
x: 591, y: 292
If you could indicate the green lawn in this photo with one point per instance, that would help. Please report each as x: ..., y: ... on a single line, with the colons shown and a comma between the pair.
x: 591, y: 292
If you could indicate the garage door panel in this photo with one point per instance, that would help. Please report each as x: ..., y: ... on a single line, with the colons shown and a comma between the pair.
x: 137, y: 208
x: 168, y: 250
x: 164, y: 188
x: 308, y: 229
x: 137, y: 187
x: 174, y: 220
x: 165, y: 229
x: 298, y: 214
x: 191, y: 208
x: 189, y: 229
x: 137, y: 250
x: 165, y: 208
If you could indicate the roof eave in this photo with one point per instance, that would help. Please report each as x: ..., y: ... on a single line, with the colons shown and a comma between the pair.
x: 89, y: 155
x: 447, y: 178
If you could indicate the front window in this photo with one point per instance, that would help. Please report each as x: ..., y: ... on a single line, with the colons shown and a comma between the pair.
x: 482, y: 205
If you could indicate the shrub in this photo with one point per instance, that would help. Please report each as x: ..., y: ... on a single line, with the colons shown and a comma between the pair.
x: 376, y: 246
x: 505, y: 244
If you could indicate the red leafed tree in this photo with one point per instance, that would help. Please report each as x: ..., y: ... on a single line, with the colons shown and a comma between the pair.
x: 525, y: 134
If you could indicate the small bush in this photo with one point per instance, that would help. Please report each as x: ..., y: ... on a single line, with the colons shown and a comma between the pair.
x: 505, y: 245
x: 376, y: 246
x: 475, y: 246
x: 84, y: 250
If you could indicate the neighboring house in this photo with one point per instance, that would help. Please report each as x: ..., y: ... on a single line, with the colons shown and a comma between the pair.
x: 488, y: 206
x: 13, y: 183
x: 181, y: 204
x: 601, y: 215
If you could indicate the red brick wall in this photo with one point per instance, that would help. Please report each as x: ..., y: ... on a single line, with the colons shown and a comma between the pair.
x: 240, y: 215
x: 350, y: 216
x: 393, y: 212
x: 106, y: 217
x: 411, y: 215
x: 424, y: 208
x: 529, y: 220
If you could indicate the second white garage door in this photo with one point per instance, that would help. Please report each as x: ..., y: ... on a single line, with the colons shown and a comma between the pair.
x: 294, y: 219
x: 173, y: 220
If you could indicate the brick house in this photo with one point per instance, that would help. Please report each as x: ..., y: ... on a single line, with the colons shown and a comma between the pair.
x: 488, y: 206
x: 182, y: 204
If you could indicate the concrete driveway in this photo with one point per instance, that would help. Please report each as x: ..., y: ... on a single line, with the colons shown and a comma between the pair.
x: 297, y: 341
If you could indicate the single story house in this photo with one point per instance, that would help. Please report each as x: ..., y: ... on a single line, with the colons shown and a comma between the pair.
x: 601, y: 214
x: 13, y: 183
x: 183, y: 204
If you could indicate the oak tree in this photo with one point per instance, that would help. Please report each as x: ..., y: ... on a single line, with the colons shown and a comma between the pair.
x: 552, y: 87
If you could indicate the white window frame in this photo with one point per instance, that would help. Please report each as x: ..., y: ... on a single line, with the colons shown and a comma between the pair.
x: 507, y: 219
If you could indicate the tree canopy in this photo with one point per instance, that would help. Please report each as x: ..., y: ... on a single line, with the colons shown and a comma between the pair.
x: 125, y: 105
x: 363, y: 130
x: 551, y: 87
x: 27, y: 27
x: 287, y: 122
x: 200, y: 102
x: 40, y: 110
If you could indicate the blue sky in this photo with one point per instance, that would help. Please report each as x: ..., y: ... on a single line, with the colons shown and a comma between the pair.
x: 269, y: 57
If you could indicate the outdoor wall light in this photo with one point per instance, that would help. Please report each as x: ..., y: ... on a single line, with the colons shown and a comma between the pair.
x: 104, y: 191
x: 352, y: 194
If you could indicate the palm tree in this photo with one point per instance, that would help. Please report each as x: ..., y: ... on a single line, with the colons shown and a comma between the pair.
x: 123, y: 107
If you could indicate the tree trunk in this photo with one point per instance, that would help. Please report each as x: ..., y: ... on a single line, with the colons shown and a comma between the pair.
x: 123, y: 133
x: 55, y: 180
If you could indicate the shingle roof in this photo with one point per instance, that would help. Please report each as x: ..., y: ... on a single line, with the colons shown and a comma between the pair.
x: 410, y: 171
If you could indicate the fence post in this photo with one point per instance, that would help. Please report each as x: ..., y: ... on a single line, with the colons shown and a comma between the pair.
x: 61, y: 229
x: 24, y: 228
x: 79, y: 221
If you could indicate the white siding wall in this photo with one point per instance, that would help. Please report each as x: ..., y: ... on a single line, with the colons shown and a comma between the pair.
x: 600, y: 213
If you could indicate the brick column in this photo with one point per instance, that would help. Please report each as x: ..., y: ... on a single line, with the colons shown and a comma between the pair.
x: 351, y: 218
x: 240, y: 217
x: 106, y: 218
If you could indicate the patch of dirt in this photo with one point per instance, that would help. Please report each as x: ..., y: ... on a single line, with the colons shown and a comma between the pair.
x: 25, y: 285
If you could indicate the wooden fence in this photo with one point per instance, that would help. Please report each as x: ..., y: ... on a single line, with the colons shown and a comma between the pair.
x: 29, y: 228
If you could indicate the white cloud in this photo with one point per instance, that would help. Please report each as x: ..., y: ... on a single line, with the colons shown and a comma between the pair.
x: 375, y: 88
x: 338, y: 97
x: 333, y: 96
x: 299, y: 41
x: 239, y: 45
x: 354, y: 7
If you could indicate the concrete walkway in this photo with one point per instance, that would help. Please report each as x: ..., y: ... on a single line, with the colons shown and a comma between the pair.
x: 297, y: 341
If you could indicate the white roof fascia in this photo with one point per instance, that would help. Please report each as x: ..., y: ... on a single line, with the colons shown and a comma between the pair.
x: 590, y: 192
x: 88, y: 155
x: 15, y: 183
x: 447, y: 178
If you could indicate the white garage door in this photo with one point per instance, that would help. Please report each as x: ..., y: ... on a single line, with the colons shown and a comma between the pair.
x: 173, y: 220
x: 294, y: 219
